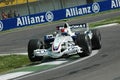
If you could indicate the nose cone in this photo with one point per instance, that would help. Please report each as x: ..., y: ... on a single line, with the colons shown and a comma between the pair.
x: 56, y: 48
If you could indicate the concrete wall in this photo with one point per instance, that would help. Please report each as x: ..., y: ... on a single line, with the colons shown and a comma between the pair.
x: 45, y: 5
x: 71, y: 3
x: 99, y: 0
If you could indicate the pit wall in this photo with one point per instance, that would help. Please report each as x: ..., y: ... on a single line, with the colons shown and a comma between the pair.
x: 55, y: 15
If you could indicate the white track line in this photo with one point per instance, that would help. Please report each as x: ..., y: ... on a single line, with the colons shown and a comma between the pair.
x: 13, y: 54
x: 52, y: 63
x: 108, y: 25
x: 21, y: 53
x: 13, y: 75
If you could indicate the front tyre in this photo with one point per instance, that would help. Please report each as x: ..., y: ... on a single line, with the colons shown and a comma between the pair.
x: 33, y: 45
x: 84, y: 42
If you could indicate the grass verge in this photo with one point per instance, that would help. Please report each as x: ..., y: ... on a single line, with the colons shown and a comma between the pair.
x: 11, y: 62
x: 106, y: 21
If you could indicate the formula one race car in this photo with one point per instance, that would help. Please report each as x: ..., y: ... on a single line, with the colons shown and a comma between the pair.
x: 68, y: 40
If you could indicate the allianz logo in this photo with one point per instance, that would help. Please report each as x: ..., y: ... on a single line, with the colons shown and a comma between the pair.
x: 75, y: 11
x: 1, y: 26
x: 115, y: 3
x: 28, y: 20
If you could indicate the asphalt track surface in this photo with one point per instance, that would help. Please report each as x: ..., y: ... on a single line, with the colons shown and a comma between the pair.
x: 16, y: 41
x: 103, y: 66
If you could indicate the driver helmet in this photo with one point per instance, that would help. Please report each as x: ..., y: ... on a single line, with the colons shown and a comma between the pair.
x: 64, y: 30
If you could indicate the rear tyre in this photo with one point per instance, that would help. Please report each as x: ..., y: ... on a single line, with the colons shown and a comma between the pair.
x: 84, y: 42
x: 33, y: 45
x: 96, y: 39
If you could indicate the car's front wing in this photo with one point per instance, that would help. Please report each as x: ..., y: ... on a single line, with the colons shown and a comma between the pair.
x: 69, y: 51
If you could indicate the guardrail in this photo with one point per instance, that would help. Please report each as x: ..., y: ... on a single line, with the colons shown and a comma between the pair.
x: 58, y: 14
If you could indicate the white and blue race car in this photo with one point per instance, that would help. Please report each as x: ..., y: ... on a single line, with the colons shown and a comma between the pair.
x: 67, y: 41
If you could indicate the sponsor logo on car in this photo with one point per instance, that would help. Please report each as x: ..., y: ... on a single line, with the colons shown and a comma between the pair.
x: 75, y: 26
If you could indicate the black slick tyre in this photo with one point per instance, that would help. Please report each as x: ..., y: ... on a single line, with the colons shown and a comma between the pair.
x: 96, y: 39
x: 33, y: 45
x: 84, y: 42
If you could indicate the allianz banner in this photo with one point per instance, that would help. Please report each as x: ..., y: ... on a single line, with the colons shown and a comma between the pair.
x: 58, y: 14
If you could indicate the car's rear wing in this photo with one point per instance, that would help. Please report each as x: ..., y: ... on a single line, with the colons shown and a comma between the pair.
x: 75, y: 26
x: 82, y: 25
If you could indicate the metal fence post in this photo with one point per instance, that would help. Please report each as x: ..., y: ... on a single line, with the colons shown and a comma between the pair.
x: 28, y: 7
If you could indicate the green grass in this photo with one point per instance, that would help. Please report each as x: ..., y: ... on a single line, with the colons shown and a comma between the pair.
x: 106, y: 21
x: 11, y: 62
